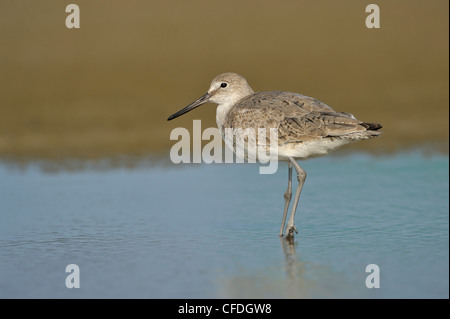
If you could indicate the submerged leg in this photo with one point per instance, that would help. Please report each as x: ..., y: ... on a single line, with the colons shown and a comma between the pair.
x: 301, y: 177
x: 287, y: 198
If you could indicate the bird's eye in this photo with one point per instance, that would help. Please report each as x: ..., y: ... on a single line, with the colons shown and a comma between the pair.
x: 223, y: 85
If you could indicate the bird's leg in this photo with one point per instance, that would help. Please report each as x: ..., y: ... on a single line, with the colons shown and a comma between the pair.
x: 301, y: 177
x: 287, y: 198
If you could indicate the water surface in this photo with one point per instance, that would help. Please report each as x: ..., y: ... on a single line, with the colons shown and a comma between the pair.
x: 211, y: 231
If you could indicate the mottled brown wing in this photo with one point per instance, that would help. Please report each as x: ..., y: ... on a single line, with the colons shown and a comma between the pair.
x: 287, y: 101
x: 268, y: 109
x: 298, y: 118
x: 316, y: 125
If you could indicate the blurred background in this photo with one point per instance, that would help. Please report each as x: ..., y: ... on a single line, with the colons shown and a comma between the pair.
x: 107, y: 88
x: 99, y: 97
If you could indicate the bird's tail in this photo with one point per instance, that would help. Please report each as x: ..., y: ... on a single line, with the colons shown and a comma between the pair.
x: 371, y: 126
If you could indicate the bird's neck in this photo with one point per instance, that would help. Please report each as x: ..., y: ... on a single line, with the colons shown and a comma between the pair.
x: 222, y: 112
x: 225, y: 107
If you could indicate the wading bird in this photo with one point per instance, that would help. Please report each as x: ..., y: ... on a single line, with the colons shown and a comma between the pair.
x: 306, y: 126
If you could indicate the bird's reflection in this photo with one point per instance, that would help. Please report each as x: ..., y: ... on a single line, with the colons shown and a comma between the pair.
x: 287, y: 277
x: 297, y: 286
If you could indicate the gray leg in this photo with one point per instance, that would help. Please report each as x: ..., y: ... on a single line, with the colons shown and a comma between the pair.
x: 301, y: 176
x: 287, y: 198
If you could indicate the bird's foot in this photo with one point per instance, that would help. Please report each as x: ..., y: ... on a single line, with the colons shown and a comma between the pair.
x: 290, y: 229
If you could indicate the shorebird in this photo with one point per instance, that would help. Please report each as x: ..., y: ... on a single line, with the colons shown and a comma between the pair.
x: 306, y: 126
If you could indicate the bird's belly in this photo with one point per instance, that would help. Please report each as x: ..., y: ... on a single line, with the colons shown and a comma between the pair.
x: 309, y: 148
x: 300, y: 150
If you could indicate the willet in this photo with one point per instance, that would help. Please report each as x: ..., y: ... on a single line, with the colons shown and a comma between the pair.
x: 306, y: 126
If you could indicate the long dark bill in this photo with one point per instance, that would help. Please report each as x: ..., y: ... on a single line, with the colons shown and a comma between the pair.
x: 202, y: 100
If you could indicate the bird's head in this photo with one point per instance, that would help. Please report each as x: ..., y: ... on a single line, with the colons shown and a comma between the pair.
x: 226, y: 88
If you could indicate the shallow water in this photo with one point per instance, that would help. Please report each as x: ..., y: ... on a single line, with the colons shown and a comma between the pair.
x: 211, y: 231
